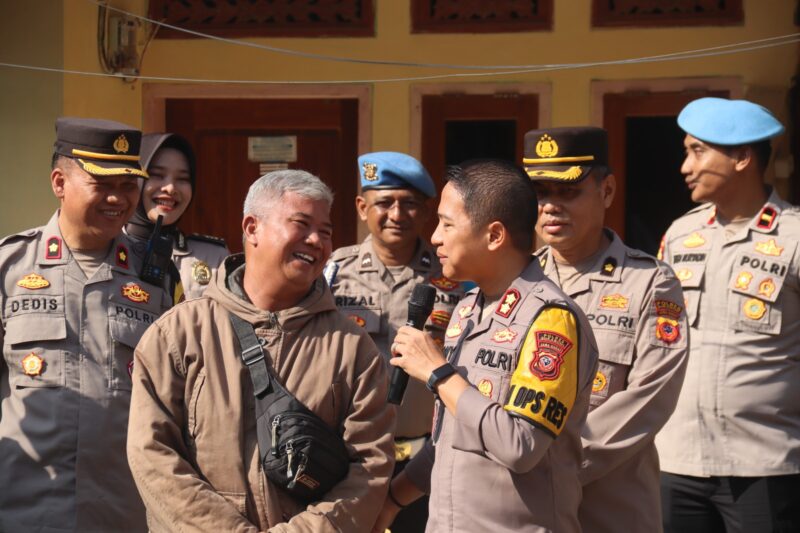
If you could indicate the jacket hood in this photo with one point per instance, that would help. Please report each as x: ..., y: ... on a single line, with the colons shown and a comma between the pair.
x: 225, y: 288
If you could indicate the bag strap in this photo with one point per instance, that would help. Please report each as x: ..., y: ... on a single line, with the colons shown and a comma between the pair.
x: 252, y: 355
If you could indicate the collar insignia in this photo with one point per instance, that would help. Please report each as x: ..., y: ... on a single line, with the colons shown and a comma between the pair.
x: 370, y: 171
x: 133, y: 292
x: 508, y: 303
x: 743, y: 280
x: 33, y: 282
x: 546, y: 147
x: 694, y: 240
x: 464, y: 310
x: 122, y: 256
x: 443, y: 283
x: 609, y: 265
x: 32, y: 365
x: 769, y: 248
x: 766, y: 218
x: 53, y: 250
x: 614, y: 301
x: 121, y: 144
x: 201, y: 272
x: 766, y: 288
x: 504, y: 335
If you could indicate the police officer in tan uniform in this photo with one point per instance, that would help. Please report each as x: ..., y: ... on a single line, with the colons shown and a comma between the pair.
x: 731, y: 451
x: 635, y: 306
x: 73, y: 310
x: 170, y: 163
x: 372, y: 283
x: 514, y: 379
x: 196, y: 456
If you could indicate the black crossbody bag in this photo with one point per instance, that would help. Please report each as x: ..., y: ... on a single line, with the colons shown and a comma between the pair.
x: 298, y: 451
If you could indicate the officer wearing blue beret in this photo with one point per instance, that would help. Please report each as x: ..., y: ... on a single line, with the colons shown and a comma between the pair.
x: 372, y: 283
x: 730, y: 453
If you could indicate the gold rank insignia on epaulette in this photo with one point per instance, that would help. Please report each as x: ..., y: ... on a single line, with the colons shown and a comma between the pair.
x: 609, y: 265
x: 542, y: 261
x: 507, y: 303
x: 366, y: 261
x: 33, y: 282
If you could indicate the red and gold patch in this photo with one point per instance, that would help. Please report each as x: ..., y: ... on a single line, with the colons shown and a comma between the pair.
x: 743, y: 280
x: 443, y: 283
x: 766, y: 218
x: 122, y: 256
x: 549, y: 354
x: 507, y: 304
x: 53, y: 250
x: 33, y: 282
x: 440, y: 318
x: 133, y: 292
x: 485, y: 387
x: 504, y: 335
x: 769, y: 247
x: 453, y: 331
x: 32, y: 365
x: 358, y: 320
x: 694, y: 240
x: 667, y: 330
x: 668, y: 308
x: 614, y: 301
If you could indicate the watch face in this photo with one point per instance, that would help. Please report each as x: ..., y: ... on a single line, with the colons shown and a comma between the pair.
x: 438, y: 375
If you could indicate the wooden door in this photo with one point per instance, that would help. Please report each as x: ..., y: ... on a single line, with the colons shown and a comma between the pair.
x: 326, y: 132
x: 456, y: 127
x: 646, y: 152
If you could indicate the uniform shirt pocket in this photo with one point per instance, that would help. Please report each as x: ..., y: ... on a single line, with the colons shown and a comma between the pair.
x: 368, y: 318
x: 616, y: 358
x: 32, y: 351
x: 125, y: 334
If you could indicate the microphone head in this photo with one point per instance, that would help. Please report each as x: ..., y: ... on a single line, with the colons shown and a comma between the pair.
x: 420, y: 304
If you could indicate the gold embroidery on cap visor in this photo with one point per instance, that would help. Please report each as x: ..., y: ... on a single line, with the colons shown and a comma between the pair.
x: 106, y: 157
x: 571, y: 174
x: 97, y: 170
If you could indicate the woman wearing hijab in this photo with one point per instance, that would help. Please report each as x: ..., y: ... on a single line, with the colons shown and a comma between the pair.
x: 170, y: 163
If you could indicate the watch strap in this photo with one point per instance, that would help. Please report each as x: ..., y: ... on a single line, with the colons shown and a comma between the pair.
x: 444, y: 371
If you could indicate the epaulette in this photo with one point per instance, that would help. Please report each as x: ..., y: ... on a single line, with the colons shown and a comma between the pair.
x: 219, y: 241
x: 541, y: 251
x: 345, y: 252
x: 28, y: 233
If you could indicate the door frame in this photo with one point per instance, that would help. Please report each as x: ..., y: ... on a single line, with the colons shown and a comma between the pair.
x: 155, y: 95
x: 543, y: 90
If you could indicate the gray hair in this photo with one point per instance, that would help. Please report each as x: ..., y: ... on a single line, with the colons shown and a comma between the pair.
x: 271, y: 187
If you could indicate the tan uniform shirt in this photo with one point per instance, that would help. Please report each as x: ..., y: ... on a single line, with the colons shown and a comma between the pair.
x: 376, y: 299
x: 65, y: 384
x: 197, y: 258
x: 635, y: 306
x: 739, y: 411
x: 509, y: 460
x: 196, y: 460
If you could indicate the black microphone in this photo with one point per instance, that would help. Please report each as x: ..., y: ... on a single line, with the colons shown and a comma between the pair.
x: 419, y: 309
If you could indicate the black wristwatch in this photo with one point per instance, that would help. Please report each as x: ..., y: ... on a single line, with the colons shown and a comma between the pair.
x: 444, y: 371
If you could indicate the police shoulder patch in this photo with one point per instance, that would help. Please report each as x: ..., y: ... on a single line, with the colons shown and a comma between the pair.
x: 545, y: 383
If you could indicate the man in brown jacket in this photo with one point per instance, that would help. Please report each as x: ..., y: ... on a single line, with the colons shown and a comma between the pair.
x: 635, y: 306
x: 514, y: 378
x: 195, y: 454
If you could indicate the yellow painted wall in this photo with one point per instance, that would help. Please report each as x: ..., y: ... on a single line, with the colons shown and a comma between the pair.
x: 766, y: 74
x: 30, y: 34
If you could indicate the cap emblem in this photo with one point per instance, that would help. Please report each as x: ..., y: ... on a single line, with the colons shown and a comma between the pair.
x: 121, y: 144
x: 370, y: 171
x: 546, y: 147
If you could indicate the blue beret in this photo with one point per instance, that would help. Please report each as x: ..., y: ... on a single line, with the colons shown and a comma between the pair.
x: 393, y: 170
x: 728, y: 122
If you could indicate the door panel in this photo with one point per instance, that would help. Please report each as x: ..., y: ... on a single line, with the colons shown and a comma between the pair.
x: 326, y: 132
